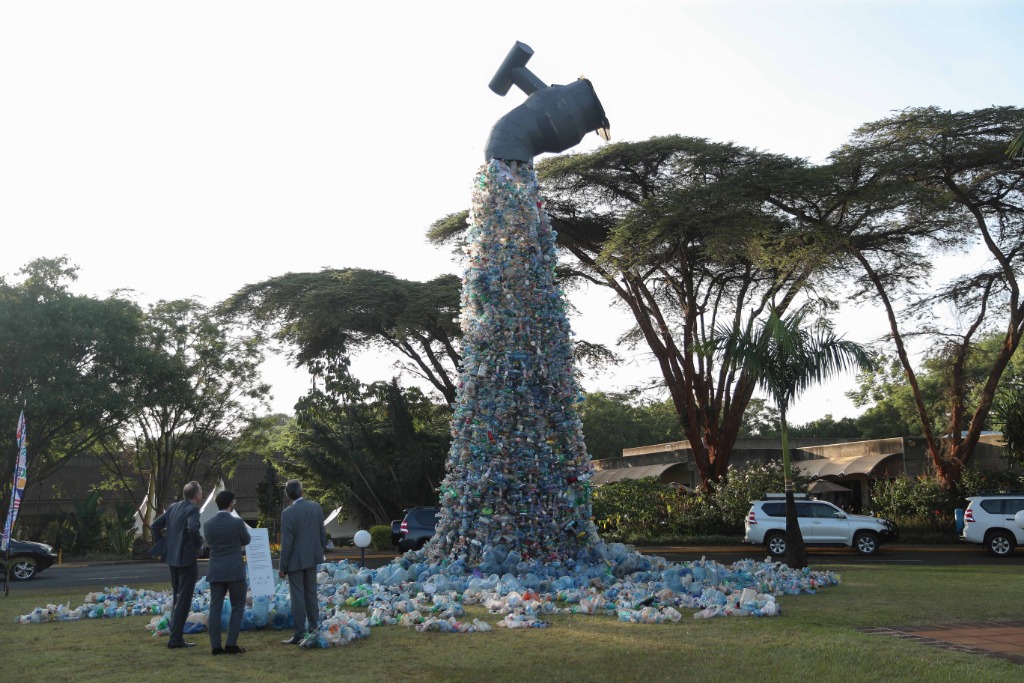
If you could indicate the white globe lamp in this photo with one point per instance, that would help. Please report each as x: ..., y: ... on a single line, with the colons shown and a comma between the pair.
x: 362, y: 539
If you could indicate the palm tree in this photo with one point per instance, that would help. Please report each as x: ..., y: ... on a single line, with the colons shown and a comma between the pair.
x: 784, y: 357
x: 1016, y: 147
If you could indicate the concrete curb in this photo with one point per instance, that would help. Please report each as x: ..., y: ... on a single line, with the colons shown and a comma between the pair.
x: 752, y: 550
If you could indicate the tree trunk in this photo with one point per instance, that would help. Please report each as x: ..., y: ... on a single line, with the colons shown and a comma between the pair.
x: 796, y: 551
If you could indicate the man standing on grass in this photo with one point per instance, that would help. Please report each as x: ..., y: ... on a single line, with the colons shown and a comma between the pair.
x: 180, y: 525
x: 303, y: 539
x: 226, y: 535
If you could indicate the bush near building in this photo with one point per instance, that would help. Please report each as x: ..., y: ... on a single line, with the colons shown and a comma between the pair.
x: 924, y: 512
x: 646, y: 510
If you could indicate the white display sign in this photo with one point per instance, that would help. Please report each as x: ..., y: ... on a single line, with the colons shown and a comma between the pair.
x: 258, y: 563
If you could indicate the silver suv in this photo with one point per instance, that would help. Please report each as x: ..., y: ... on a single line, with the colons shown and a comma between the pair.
x: 821, y: 524
x: 989, y: 520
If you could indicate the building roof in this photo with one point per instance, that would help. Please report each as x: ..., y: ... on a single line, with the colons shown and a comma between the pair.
x: 619, y: 473
x: 843, y: 467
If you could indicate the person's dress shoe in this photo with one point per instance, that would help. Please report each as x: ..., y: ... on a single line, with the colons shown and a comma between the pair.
x: 182, y: 644
x: 217, y: 651
x: 294, y: 640
x: 234, y: 650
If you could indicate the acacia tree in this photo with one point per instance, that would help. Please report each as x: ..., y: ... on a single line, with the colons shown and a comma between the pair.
x: 680, y: 231
x: 203, y: 394
x: 326, y: 316
x: 785, y: 357
x: 908, y: 187
x: 73, y: 361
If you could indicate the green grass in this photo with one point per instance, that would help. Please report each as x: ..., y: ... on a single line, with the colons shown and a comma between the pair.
x: 816, y: 637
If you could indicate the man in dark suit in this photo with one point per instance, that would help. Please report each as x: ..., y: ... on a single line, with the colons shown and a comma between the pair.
x: 303, y: 538
x: 180, y: 525
x: 226, y: 534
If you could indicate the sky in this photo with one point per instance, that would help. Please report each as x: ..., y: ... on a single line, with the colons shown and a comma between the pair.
x: 185, y: 149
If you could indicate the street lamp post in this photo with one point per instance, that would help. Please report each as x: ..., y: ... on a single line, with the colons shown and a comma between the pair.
x: 362, y: 539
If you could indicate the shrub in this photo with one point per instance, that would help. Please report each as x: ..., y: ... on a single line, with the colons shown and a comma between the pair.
x: 636, y: 508
x: 120, y: 528
x: 83, y: 532
x: 924, y: 511
x: 906, y: 497
x: 380, y: 537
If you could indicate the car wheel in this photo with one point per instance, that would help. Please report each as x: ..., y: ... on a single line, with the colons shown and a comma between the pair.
x: 776, y: 543
x: 866, y: 543
x: 1000, y: 543
x: 23, y: 568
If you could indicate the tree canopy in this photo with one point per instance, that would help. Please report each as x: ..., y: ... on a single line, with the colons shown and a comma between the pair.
x: 326, y: 316
x: 73, y: 362
x: 203, y: 393
x: 375, y: 448
x: 909, y: 187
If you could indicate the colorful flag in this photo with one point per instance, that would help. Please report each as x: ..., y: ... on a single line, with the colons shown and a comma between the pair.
x: 20, y: 474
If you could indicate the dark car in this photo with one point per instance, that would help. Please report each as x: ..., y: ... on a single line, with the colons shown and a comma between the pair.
x: 396, y: 527
x: 28, y: 559
x: 417, y: 527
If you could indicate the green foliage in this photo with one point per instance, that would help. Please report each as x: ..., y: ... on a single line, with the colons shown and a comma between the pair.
x: 760, y: 419
x: 644, y: 510
x: 75, y: 360
x: 269, y: 500
x: 197, y: 416
x: 828, y: 427
x: 732, y: 498
x: 380, y: 537
x: 85, y: 526
x: 1008, y: 417
x: 614, y: 421
x: 906, y: 497
x: 382, y: 444
x: 924, y: 511
x: 327, y: 315
x: 940, y: 180
x: 975, y: 481
x: 120, y: 528
x: 636, y: 508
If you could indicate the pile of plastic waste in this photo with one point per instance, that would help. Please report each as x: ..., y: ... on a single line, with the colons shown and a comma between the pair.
x: 414, y: 592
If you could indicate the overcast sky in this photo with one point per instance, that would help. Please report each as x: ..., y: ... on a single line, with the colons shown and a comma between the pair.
x: 189, y: 148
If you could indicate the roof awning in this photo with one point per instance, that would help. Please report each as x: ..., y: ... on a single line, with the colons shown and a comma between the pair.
x: 842, y: 467
x: 620, y: 473
x: 825, y: 486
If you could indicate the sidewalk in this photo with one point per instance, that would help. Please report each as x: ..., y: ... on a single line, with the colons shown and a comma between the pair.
x: 1001, y: 640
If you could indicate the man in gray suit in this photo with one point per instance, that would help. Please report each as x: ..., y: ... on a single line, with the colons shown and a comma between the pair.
x: 303, y: 538
x: 180, y: 525
x: 226, y: 534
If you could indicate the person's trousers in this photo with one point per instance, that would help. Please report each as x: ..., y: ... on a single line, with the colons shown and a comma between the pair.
x: 305, y: 606
x: 236, y: 589
x: 183, y: 585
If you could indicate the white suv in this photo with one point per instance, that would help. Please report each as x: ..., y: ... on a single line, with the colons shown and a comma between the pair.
x: 989, y: 520
x: 821, y: 524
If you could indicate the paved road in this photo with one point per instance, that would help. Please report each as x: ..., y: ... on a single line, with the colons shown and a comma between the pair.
x: 78, y: 579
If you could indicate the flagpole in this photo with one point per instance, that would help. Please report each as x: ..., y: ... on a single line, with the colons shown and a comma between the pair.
x: 20, y: 474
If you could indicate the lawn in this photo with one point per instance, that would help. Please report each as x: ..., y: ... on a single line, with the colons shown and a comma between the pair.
x: 816, y: 637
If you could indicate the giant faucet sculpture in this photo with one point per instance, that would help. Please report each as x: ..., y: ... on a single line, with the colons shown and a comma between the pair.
x: 552, y: 119
x: 517, y: 483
